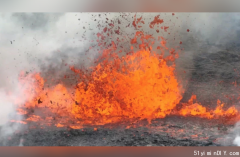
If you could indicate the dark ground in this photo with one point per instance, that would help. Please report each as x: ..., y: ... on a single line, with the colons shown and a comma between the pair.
x: 215, y: 75
x: 171, y: 131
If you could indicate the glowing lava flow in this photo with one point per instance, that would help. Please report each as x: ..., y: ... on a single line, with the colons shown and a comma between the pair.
x: 196, y: 109
x: 137, y: 85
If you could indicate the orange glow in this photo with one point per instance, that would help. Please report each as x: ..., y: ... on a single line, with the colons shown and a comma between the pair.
x: 135, y: 86
x: 196, y: 109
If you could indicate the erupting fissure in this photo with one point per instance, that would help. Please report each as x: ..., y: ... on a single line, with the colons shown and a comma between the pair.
x: 137, y: 85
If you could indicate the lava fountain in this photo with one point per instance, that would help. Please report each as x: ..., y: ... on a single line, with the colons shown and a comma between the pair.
x: 121, y: 87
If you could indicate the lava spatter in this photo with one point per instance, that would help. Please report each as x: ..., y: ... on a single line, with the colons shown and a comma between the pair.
x: 135, y: 85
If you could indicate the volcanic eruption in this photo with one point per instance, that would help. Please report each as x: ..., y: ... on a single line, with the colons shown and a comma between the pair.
x: 127, y: 89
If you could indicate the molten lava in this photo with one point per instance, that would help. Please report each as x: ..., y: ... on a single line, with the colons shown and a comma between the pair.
x: 138, y: 85
x: 196, y: 109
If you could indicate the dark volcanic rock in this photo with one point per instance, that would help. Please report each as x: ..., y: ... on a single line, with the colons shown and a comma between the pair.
x: 165, y: 132
x: 102, y: 138
x: 214, y: 76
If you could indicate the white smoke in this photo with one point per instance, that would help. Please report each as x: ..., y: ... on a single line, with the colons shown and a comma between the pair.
x: 235, y: 134
x: 7, y: 112
x: 236, y: 141
x: 232, y: 137
x: 8, y: 106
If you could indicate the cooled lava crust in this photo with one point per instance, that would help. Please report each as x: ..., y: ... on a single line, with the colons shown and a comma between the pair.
x: 171, y: 131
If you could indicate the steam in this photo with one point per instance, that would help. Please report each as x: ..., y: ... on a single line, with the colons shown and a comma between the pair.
x: 237, y: 141
x: 236, y: 134
x: 233, y: 136
x: 9, y: 99
x: 6, y: 108
x: 7, y: 112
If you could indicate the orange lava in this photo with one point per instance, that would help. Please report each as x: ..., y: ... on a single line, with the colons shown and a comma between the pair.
x: 137, y: 85
x: 196, y: 109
